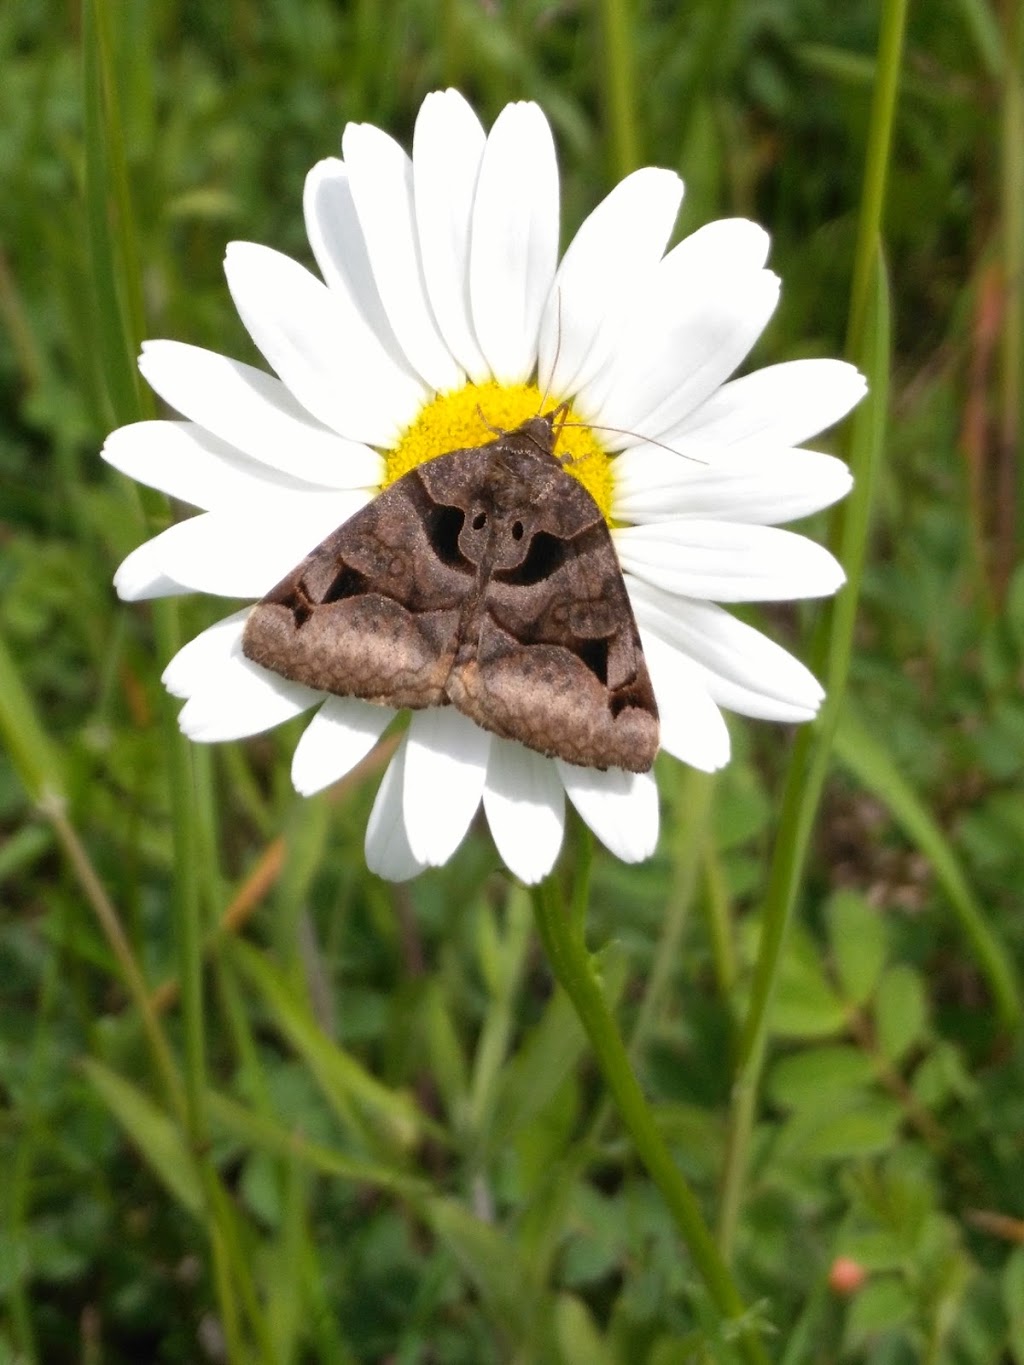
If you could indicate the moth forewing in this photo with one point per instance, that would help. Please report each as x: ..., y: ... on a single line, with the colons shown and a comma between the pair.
x: 485, y: 578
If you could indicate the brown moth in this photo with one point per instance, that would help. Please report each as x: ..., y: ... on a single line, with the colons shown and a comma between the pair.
x: 485, y: 578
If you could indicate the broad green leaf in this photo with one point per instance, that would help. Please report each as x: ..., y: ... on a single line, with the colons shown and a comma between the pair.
x: 901, y: 1011
x: 808, y: 1079
x: 869, y: 1127
x: 805, y: 1005
x: 597, y: 1236
x: 151, y: 1131
x: 942, y: 1076
x: 576, y: 1334
x: 857, y: 938
x: 876, y: 1250
x: 881, y: 1306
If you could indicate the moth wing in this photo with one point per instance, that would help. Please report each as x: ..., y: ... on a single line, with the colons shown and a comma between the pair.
x: 556, y: 660
x: 373, y: 611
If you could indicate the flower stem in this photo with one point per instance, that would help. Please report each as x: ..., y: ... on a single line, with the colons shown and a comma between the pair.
x: 574, y: 970
x: 620, y: 92
x: 867, y: 344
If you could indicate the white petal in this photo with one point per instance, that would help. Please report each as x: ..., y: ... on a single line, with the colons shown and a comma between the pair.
x: 185, y: 461
x: 741, y: 668
x: 336, y: 237
x: 335, y: 368
x: 240, y: 698
x: 621, y: 808
x: 244, y: 554
x: 341, y: 733
x: 781, y: 405
x: 606, y: 264
x: 445, y: 770
x: 254, y: 412
x: 192, y: 666
x: 691, y: 725
x: 524, y: 801
x: 446, y: 152
x: 726, y: 562
x: 761, y: 488
x: 387, y: 847
x: 380, y: 174
x: 514, y: 243
x: 690, y: 333
x: 141, y: 576
x: 725, y: 247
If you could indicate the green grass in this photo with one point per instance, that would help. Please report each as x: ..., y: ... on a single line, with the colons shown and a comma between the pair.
x: 259, y: 1106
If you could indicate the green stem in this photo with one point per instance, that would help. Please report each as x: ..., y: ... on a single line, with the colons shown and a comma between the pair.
x: 185, y: 890
x: 719, y: 921
x: 619, y: 86
x: 1011, y: 387
x: 574, y: 970
x: 876, y: 169
x: 695, y: 792
x: 39, y: 769
x: 834, y: 638
x: 119, y: 323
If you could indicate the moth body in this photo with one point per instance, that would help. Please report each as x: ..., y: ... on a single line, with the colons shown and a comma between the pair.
x: 487, y: 579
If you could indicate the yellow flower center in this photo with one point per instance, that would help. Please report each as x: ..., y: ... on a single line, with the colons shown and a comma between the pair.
x: 476, y: 413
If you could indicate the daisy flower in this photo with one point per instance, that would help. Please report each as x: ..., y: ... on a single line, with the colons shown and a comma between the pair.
x: 442, y: 314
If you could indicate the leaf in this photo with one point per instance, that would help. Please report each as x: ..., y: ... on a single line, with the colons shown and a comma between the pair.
x: 261, y: 1134
x: 901, y: 1011
x: 858, y: 940
x: 550, y: 1052
x: 352, y: 1091
x: 444, y: 1049
x: 490, y: 1261
x: 597, y: 1237
x: 942, y: 1076
x: 805, y: 1005
x: 881, y: 1306
x: 579, y: 1341
x: 547, y: 1056
x: 811, y: 1078
x: 874, y: 766
x: 1012, y: 1285
x: 862, y: 1130
x: 875, y: 1250
x: 151, y: 1131
x: 1015, y: 608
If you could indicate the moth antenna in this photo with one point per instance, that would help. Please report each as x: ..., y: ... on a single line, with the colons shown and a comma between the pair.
x: 647, y: 440
x: 558, y: 350
x: 498, y: 431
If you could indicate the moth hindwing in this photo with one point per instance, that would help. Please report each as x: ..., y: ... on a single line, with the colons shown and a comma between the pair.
x: 485, y: 578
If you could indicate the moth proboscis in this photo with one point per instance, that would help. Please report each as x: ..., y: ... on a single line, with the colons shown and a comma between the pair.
x: 485, y: 578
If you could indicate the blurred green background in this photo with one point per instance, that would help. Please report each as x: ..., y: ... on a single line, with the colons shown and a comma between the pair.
x: 405, y: 1154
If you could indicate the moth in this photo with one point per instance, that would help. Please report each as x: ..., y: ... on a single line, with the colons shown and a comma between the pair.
x: 485, y: 579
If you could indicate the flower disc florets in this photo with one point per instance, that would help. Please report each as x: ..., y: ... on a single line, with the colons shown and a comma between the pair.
x: 474, y: 414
